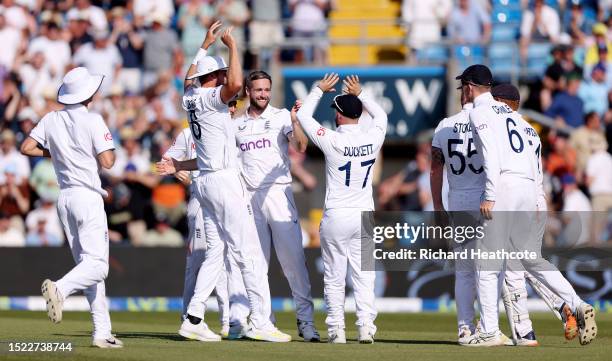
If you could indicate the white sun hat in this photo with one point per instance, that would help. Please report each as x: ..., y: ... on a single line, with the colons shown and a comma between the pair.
x: 207, y: 65
x: 78, y: 85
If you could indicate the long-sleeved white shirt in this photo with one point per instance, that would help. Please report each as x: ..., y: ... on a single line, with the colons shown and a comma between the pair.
x: 350, y: 153
x: 499, y: 135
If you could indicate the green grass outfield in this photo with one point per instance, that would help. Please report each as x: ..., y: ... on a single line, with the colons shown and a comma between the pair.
x: 426, y: 336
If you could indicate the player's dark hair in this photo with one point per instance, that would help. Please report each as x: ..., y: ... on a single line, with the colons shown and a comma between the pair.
x: 256, y: 75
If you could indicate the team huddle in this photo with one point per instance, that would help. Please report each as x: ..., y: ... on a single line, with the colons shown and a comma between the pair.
x: 238, y: 172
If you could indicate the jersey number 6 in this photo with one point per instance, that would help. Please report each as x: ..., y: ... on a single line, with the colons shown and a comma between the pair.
x: 194, y: 125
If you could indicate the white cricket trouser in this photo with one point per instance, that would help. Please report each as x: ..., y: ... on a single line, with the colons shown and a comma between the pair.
x: 465, y: 205
x: 277, y: 221
x: 81, y: 212
x: 511, y: 224
x: 196, y: 253
x: 341, y: 248
x: 223, y: 199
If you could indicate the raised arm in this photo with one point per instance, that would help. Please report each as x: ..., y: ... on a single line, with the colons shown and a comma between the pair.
x: 376, y: 111
x: 211, y: 37
x: 311, y: 127
x: 234, y: 73
x: 297, y: 137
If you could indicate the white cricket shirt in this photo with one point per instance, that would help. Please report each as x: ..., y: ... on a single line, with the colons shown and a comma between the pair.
x: 464, y: 169
x: 263, y: 147
x: 74, y: 137
x: 183, y: 148
x: 211, y: 128
x: 350, y: 153
x: 499, y: 137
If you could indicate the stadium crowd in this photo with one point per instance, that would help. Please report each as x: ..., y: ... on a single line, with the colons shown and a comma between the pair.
x: 143, y: 47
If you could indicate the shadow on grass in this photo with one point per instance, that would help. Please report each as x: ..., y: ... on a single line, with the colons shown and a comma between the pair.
x: 133, y: 335
x: 417, y: 342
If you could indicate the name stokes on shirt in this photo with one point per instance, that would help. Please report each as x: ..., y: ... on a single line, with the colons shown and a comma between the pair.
x: 359, y: 151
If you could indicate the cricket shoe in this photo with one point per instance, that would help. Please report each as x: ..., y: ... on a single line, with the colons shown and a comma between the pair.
x: 570, y: 325
x: 336, y: 335
x: 585, y: 315
x: 465, y: 332
x: 269, y: 333
x: 481, y: 339
x: 54, y: 300
x: 307, y: 330
x: 199, y: 332
x: 110, y: 342
x: 237, y: 330
x: 366, y: 333
x: 528, y: 340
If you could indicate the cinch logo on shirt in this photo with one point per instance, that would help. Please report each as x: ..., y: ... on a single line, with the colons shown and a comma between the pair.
x: 255, y: 144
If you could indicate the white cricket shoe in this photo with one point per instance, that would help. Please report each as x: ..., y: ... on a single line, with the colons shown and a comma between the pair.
x: 481, y: 339
x: 270, y: 334
x: 199, y: 332
x: 464, y: 334
x: 111, y: 342
x: 237, y: 330
x: 585, y: 315
x: 225, y: 330
x: 528, y: 340
x: 307, y: 330
x: 336, y: 335
x: 366, y: 333
x: 54, y: 300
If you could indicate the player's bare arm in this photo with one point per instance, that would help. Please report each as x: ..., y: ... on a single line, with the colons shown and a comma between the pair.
x: 169, y: 166
x: 211, y: 37
x: 297, y: 137
x: 436, y: 177
x: 234, y: 72
x: 107, y: 159
x: 183, y: 177
x: 30, y: 147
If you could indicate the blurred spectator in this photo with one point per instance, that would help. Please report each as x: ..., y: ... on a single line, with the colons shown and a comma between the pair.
x: 41, y: 237
x: 425, y: 20
x: 469, y: 23
x: 194, y: 18
x: 9, y: 236
x: 568, y: 61
x: 120, y: 218
x: 584, y: 139
x: 599, y: 181
x: 11, y: 40
x: 539, y: 24
x: 27, y: 118
x: 129, y: 42
x: 45, y: 209
x: 56, y: 50
x: 100, y: 57
x: 36, y: 76
x: 44, y: 180
x: 144, y: 8
x: 14, y: 197
x: 11, y: 157
x: 266, y: 31
x: 400, y: 191
x: 424, y: 165
x: 577, y: 212
x: 10, y: 97
x: 308, y: 21
x: 95, y: 15
x: 78, y: 27
x: 598, y: 49
x: 567, y: 107
x: 16, y: 15
x: 301, y: 174
x: 562, y: 159
x: 160, y: 47
x: 234, y: 13
x: 162, y: 235
x: 576, y: 24
x: 594, y: 91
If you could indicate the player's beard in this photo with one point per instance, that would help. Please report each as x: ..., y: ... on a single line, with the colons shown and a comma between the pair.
x: 257, y: 106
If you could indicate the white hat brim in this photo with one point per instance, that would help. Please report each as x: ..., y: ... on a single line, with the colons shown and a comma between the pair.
x: 204, y: 73
x: 93, y: 84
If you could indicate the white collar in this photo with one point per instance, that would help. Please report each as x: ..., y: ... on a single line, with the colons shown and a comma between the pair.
x: 483, y: 99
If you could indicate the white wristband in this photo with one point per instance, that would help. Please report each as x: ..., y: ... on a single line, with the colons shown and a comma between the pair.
x: 201, y: 53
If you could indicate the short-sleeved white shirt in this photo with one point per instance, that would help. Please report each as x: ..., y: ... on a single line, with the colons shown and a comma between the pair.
x: 599, y: 168
x: 74, y: 137
x: 183, y: 148
x: 263, y: 147
x: 212, y: 129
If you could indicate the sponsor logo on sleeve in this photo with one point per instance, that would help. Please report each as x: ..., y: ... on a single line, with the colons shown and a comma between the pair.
x: 321, y: 132
x: 108, y: 137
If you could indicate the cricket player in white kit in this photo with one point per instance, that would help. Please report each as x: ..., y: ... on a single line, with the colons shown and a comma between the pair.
x: 510, y: 190
x: 220, y: 191
x: 350, y: 153
x: 183, y: 148
x: 263, y: 135
x: 78, y: 143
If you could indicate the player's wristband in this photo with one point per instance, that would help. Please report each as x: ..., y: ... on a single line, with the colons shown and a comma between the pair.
x: 201, y: 53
